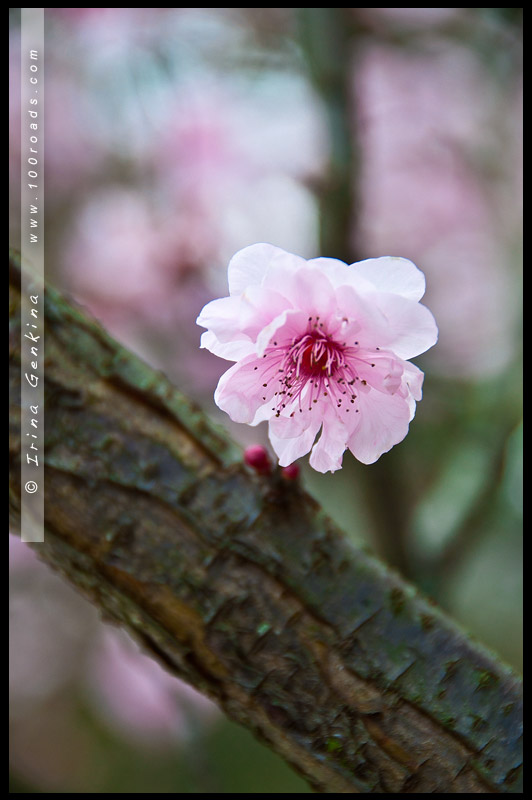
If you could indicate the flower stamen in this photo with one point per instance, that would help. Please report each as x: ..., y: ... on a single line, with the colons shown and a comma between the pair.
x: 313, y: 366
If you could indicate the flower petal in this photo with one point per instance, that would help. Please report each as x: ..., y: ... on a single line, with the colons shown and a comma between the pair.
x: 393, y: 274
x: 289, y: 449
x: 382, y: 422
x: 249, y: 266
x: 259, y: 306
x: 242, y: 316
x: 232, y: 351
x: 306, y: 288
x: 414, y: 380
x: 222, y: 317
x: 240, y: 391
x: 328, y: 451
x: 340, y: 274
x: 381, y: 370
x: 283, y: 328
x: 411, y: 327
x: 366, y: 322
x: 412, y: 384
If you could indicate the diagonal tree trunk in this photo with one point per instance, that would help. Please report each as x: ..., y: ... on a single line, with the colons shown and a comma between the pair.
x: 240, y: 585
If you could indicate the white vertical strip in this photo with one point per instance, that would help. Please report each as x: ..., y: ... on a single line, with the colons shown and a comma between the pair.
x: 32, y: 274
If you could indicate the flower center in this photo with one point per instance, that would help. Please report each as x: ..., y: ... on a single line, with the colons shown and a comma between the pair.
x: 311, y: 368
x: 315, y: 355
x: 311, y: 362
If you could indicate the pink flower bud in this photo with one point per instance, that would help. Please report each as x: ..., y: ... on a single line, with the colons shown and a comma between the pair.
x: 256, y: 456
x: 290, y: 473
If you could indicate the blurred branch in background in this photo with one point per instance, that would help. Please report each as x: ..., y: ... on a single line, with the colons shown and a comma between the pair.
x: 474, y: 523
x: 328, y: 40
x: 240, y: 585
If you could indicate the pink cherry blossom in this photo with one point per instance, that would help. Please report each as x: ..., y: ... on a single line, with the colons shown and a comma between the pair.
x: 320, y: 346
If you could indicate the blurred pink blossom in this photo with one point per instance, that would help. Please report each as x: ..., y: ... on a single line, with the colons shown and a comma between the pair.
x: 50, y: 626
x: 114, y: 28
x: 429, y: 123
x: 145, y: 262
x: 72, y: 153
x: 110, y: 256
x: 139, y: 697
x: 232, y: 161
x: 126, y: 262
x: 53, y: 627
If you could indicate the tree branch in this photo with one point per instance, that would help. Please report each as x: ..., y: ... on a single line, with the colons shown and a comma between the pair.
x: 241, y: 586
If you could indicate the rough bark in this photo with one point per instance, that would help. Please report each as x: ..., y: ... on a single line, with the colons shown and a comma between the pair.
x: 240, y: 585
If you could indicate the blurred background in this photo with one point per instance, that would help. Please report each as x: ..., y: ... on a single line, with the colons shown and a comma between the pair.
x: 176, y: 136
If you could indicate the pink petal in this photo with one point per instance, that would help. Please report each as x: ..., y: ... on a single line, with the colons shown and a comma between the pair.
x: 240, y: 391
x: 222, y: 317
x: 382, y: 422
x: 393, y: 274
x: 328, y: 451
x: 232, y: 351
x: 287, y: 426
x: 371, y: 328
x: 289, y: 449
x: 381, y: 370
x: 306, y: 288
x: 411, y: 327
x: 259, y: 305
x: 240, y: 318
x: 413, y: 382
x: 282, y: 329
x: 249, y: 266
x: 340, y: 274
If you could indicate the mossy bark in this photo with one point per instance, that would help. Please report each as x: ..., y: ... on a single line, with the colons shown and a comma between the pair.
x: 240, y: 585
